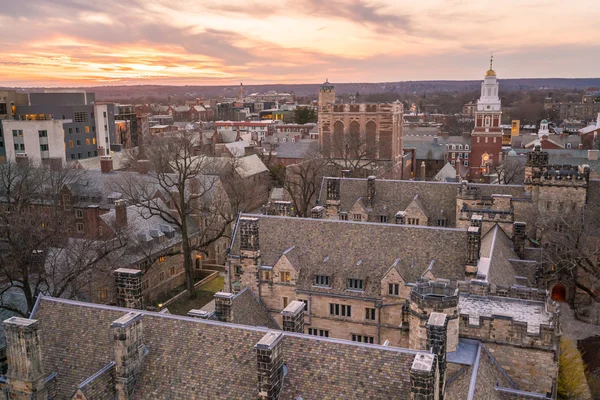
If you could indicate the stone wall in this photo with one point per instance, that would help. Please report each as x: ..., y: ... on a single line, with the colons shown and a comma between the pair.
x: 532, y: 370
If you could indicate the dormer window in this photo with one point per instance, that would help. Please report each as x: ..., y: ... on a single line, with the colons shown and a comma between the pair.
x: 355, y: 284
x: 322, y: 280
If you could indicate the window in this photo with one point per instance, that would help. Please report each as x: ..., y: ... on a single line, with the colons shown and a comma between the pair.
x: 17, y: 132
x: 43, y: 133
x: 494, y: 140
x: 466, y: 147
x: 321, y: 280
x: 548, y: 205
x: 285, y: 301
x: 340, y: 310
x: 383, y: 219
x: 172, y: 271
x: 87, y: 129
x: 318, y: 332
x: 305, y: 305
x: 145, y: 284
x: 486, y: 139
x: 466, y: 163
x: 78, y: 214
x: 93, y: 140
x: 161, y: 276
x: 104, y: 114
x: 72, y: 156
x: 478, y: 139
x: 453, y: 155
x: 441, y: 222
x: 393, y: 289
x: 43, y: 147
x: 79, y: 143
x: 370, y: 314
x: 79, y: 156
x: 285, y: 277
x: 568, y: 145
x: 76, y: 129
x: 466, y: 156
x: 79, y: 227
x: 413, y: 221
x: 161, y: 259
x: 266, y: 275
x: 355, y: 284
x: 80, y: 116
x: 87, y: 141
x: 343, y: 216
x: 363, y: 339
x: 70, y: 131
x: 357, y: 217
x: 102, y: 292
x: 16, y: 146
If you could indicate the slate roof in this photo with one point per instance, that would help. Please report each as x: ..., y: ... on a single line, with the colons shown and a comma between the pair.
x: 194, y: 358
x: 247, y: 310
x: 299, y: 149
x: 346, y: 249
x: 438, y: 199
x: 446, y: 174
x: 496, y: 246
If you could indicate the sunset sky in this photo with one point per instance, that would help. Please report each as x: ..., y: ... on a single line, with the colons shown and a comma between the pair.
x: 87, y: 42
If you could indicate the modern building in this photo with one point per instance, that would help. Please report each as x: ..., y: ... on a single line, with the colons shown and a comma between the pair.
x: 9, y: 100
x: 39, y: 141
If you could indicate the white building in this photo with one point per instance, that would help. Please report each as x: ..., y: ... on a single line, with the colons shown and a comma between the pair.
x: 40, y: 140
x: 102, y: 120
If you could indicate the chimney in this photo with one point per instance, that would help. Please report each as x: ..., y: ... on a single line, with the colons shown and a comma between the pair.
x: 477, y: 220
x: 333, y: 189
x: 345, y: 173
x: 370, y: 191
x: 473, y: 248
x: 143, y: 166
x: 400, y: 218
x: 519, y: 235
x: 130, y: 352
x: 128, y: 288
x: 26, y: 378
x: 317, y: 212
x: 593, y: 155
x: 436, y: 343
x: 223, y: 303
x: 424, y: 377
x: 121, y: 214
x: 423, y: 170
x: 22, y: 159
x: 293, y: 317
x: 92, y: 220
x: 269, y: 362
x: 106, y: 164
x: 283, y: 208
x: 249, y: 234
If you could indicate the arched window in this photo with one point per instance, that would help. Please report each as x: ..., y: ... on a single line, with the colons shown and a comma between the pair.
x: 466, y: 147
x: 488, y: 120
x: 568, y: 145
x: 453, y: 147
x: 460, y: 147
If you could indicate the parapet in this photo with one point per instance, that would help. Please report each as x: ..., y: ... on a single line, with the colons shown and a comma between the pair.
x: 434, y: 294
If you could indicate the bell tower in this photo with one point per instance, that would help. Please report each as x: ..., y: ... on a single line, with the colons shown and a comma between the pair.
x: 326, y: 94
x: 486, y: 138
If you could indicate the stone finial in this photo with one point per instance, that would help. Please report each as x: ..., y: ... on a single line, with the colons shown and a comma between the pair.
x: 128, y: 287
x: 293, y: 317
x: 26, y: 378
x: 269, y: 363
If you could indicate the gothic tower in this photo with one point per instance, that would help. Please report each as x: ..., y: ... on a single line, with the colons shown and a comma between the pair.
x: 486, y: 138
x: 326, y: 94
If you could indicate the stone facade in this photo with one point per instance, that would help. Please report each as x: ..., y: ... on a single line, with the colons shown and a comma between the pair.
x: 128, y: 284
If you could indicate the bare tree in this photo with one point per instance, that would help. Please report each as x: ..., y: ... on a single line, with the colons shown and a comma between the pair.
x: 571, y: 247
x: 302, y: 181
x: 351, y: 150
x: 456, y: 125
x: 184, y: 190
x: 36, y: 219
x: 510, y: 171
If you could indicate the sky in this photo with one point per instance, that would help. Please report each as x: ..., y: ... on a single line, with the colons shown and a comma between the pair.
x: 223, y: 42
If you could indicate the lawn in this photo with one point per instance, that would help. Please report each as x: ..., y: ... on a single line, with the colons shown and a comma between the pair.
x: 204, y: 294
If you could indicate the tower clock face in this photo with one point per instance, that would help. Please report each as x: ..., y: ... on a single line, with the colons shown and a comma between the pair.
x: 488, y: 107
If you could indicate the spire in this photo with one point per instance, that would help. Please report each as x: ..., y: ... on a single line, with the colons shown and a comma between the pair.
x: 491, y: 60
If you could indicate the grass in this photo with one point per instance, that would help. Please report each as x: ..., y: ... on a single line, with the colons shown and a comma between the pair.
x: 204, y: 295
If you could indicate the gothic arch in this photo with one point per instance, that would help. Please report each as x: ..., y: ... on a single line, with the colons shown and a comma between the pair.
x: 371, y: 139
x: 559, y: 292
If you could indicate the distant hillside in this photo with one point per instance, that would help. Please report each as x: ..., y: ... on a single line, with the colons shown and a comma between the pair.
x: 163, y: 92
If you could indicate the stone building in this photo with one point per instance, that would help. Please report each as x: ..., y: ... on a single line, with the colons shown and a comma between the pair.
x: 361, y: 131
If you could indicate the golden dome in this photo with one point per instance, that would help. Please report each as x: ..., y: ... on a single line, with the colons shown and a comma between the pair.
x: 490, y: 72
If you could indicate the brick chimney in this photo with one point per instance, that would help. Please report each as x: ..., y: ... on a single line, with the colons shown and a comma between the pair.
x: 436, y: 343
x: 317, y: 212
x: 106, y: 164
x: 370, y: 191
x: 22, y: 159
x: 269, y: 363
x: 143, y: 166
x: 130, y: 352
x: 424, y: 377
x: 128, y: 288
x: 519, y: 236
x: 92, y: 221
x: 223, y: 303
x: 26, y: 378
x: 121, y: 214
x: 293, y: 317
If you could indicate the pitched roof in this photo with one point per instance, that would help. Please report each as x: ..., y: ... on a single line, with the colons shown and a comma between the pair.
x: 345, y: 249
x: 247, y: 310
x: 446, y: 174
x: 77, y: 342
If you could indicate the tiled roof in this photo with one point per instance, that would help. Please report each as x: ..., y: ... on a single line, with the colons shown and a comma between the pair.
x: 299, y: 149
x: 247, y: 310
x: 193, y: 358
x: 344, y: 250
x: 496, y: 247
